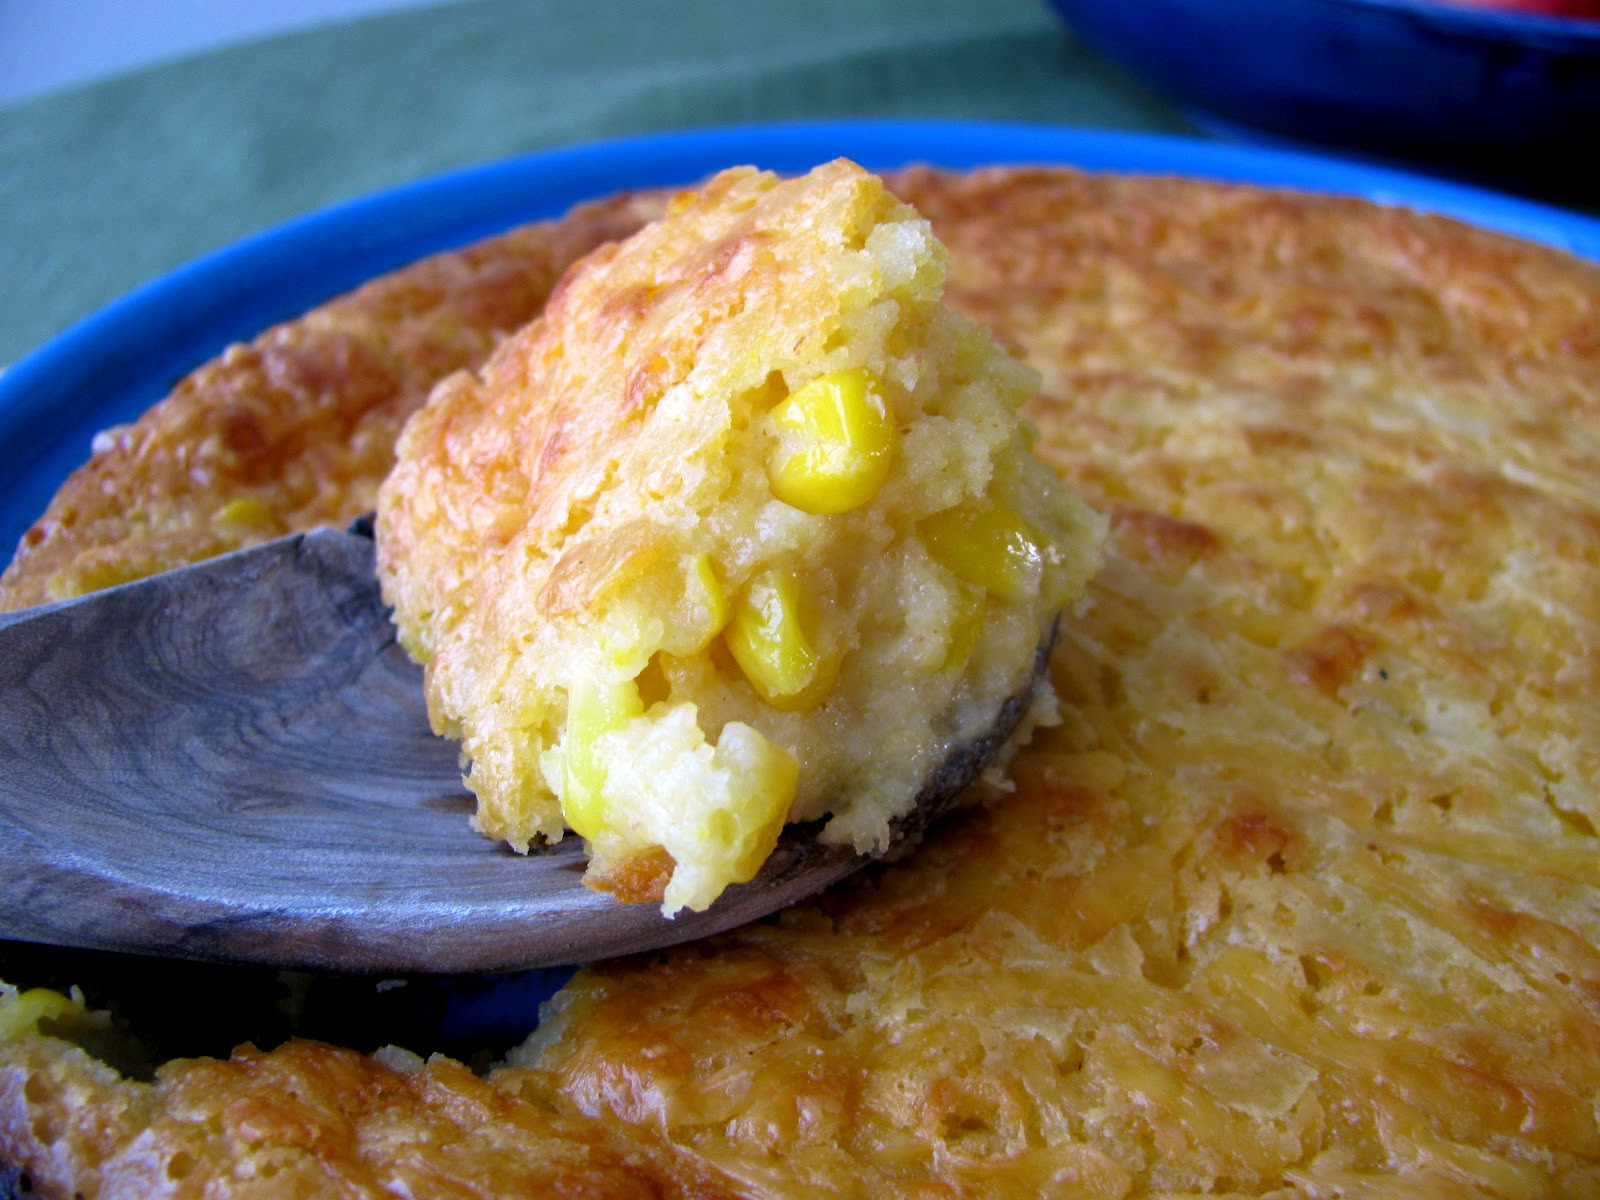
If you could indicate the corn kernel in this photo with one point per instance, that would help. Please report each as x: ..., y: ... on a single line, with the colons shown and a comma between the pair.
x: 773, y: 638
x: 994, y: 548
x: 746, y: 833
x: 592, y: 709
x: 244, y: 510
x: 965, y: 629
x: 706, y: 603
x: 835, y: 444
x: 21, y: 1012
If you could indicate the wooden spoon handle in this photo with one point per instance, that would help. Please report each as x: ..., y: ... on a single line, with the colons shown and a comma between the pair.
x: 211, y: 746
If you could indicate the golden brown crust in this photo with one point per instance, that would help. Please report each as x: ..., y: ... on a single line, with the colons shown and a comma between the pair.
x: 297, y: 428
x: 641, y: 879
x: 310, y: 1120
x: 1303, y: 897
x: 485, y: 465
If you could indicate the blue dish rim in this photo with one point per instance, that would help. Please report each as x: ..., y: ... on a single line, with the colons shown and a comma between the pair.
x: 1548, y: 30
x: 115, y: 363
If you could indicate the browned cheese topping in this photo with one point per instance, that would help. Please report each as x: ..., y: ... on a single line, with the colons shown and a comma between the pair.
x: 297, y: 428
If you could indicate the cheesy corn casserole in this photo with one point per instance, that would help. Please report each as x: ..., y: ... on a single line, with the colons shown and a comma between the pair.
x: 744, y: 530
x: 1300, y: 899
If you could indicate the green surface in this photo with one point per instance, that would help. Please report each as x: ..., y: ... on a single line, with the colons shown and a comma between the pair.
x: 105, y: 187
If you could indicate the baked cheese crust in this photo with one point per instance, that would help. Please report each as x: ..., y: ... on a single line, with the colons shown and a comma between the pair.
x: 1301, y: 898
x: 297, y: 428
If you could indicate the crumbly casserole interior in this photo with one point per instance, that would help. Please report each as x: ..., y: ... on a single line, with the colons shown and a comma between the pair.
x: 744, y: 530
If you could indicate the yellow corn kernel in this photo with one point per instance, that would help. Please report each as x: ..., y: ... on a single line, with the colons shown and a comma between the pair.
x: 835, y: 444
x: 992, y: 547
x: 745, y: 834
x: 21, y: 1012
x: 773, y: 638
x: 705, y: 604
x: 592, y: 709
x: 244, y: 510
x: 965, y: 628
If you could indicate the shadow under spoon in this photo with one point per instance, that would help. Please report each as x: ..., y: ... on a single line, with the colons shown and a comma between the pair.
x: 232, y: 761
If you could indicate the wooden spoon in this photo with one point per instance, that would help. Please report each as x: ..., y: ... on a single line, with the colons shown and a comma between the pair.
x: 232, y: 761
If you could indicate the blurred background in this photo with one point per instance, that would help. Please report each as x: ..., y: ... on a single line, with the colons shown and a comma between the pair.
x: 136, y: 135
x: 45, y: 46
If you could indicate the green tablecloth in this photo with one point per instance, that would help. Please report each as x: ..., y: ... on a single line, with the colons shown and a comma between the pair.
x: 107, y: 186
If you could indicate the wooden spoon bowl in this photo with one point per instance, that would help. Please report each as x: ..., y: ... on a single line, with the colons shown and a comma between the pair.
x: 232, y: 761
